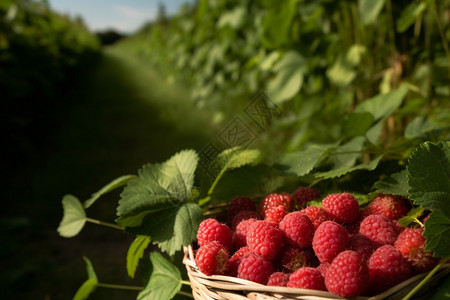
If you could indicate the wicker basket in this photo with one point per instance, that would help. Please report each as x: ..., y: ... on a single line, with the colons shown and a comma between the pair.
x: 226, y: 287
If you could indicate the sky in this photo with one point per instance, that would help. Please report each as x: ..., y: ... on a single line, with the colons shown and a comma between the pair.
x: 124, y: 16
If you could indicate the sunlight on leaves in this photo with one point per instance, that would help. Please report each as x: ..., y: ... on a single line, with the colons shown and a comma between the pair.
x: 136, y: 252
x: 74, y: 217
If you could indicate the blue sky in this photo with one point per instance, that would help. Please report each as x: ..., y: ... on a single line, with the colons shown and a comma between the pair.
x: 123, y: 15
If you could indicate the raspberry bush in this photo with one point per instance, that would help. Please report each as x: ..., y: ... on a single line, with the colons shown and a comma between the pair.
x: 269, y: 236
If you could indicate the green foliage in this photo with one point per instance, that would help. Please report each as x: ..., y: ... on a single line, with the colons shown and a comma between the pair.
x: 116, y: 183
x: 437, y: 233
x: 369, y: 10
x: 164, y: 282
x: 74, y: 217
x: 136, y: 252
x: 396, y: 184
x: 89, y: 286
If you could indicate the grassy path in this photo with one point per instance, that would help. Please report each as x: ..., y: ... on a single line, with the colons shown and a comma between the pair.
x: 124, y: 116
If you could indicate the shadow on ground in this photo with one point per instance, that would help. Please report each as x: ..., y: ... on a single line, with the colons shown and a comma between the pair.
x: 122, y: 117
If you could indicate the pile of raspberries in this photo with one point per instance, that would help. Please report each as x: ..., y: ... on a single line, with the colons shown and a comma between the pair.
x: 338, y: 247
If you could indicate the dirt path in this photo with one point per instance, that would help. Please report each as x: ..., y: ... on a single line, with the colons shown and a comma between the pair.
x: 123, y: 117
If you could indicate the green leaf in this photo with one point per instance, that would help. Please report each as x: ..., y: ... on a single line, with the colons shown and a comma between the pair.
x: 164, y: 282
x: 116, y: 183
x: 358, y: 123
x: 369, y: 10
x: 136, y: 252
x: 429, y: 176
x: 172, y: 228
x: 342, y: 72
x: 234, y: 18
x: 370, y: 165
x: 158, y: 186
x: 288, y: 80
x: 412, y: 217
x: 396, y: 184
x: 382, y: 106
x: 409, y: 15
x: 302, y: 162
x: 346, y: 155
x: 87, y: 288
x: 437, y: 233
x: 277, y: 24
x: 89, y: 285
x: 74, y: 217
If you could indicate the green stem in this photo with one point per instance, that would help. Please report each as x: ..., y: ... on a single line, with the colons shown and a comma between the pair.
x: 185, y: 282
x: 120, y: 287
x: 422, y: 283
x: 185, y: 294
x: 107, y: 224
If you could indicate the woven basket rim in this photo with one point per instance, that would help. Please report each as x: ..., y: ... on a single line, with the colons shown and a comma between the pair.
x: 220, y: 284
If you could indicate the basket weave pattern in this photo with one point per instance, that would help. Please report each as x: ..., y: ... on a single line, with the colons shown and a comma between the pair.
x: 231, y: 288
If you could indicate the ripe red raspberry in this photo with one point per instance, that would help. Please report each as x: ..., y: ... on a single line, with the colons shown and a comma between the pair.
x: 235, y: 259
x: 298, y: 229
x: 411, y: 244
x: 329, y: 239
x: 255, y: 268
x: 303, y: 195
x: 387, y: 267
x: 347, y: 276
x: 239, y: 204
x: 243, y: 215
x: 307, y: 278
x: 379, y: 229
x: 323, y: 267
x: 391, y: 206
x: 240, y: 234
x: 361, y: 244
x: 342, y: 207
x: 212, y: 258
x: 212, y: 230
x: 274, y: 200
x: 265, y: 239
x: 275, y: 214
x: 278, y: 279
x: 316, y: 214
x: 293, y: 258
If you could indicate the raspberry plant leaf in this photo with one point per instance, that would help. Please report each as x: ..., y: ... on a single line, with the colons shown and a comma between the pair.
x: 357, y: 124
x: 302, y: 162
x: 89, y: 285
x: 383, y: 105
x: 437, y: 232
x: 370, y: 165
x: 116, y: 183
x: 74, y: 217
x: 412, y: 217
x: 164, y: 282
x: 172, y: 228
x: 157, y: 187
x: 136, y: 252
x: 396, y: 184
x: 429, y: 176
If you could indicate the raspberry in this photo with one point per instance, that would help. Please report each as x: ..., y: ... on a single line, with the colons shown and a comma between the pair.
x: 238, y: 204
x: 390, y: 206
x: 323, y: 267
x: 348, y: 275
x: 361, y: 244
x: 329, y: 239
x: 278, y: 279
x: 235, y: 259
x: 243, y: 215
x: 255, y: 268
x: 303, y: 195
x: 275, y: 214
x: 411, y: 244
x: 379, y: 229
x: 265, y: 239
x: 293, y: 258
x: 307, y: 278
x: 212, y: 230
x: 342, y: 208
x: 212, y: 258
x: 274, y: 200
x: 298, y: 229
x: 240, y: 234
x: 316, y: 214
x: 387, y: 267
